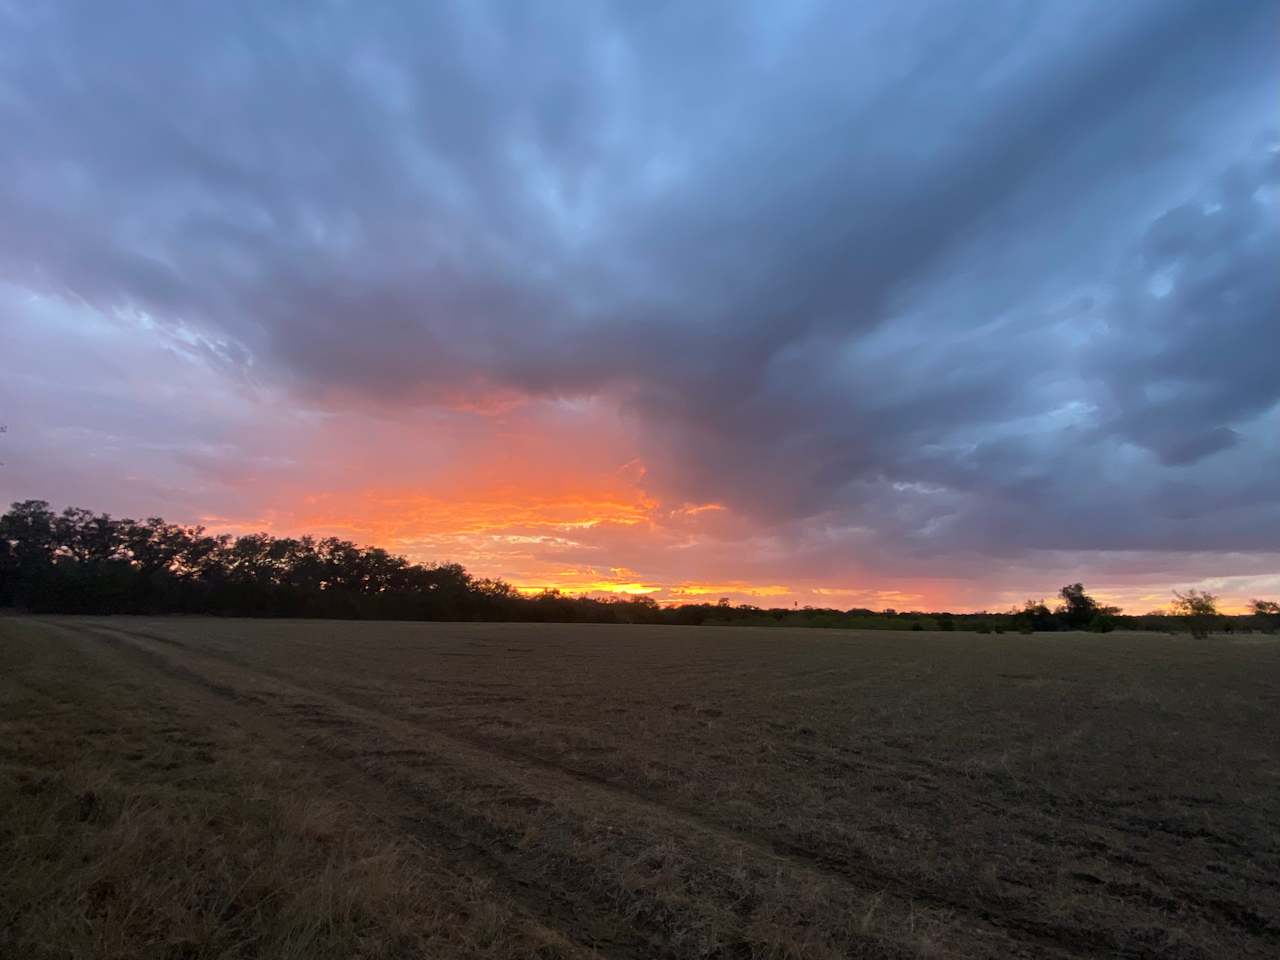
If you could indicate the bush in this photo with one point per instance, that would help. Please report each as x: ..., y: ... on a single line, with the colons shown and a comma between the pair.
x: 1102, y: 623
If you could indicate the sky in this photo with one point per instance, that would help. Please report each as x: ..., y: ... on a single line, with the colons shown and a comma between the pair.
x: 917, y: 305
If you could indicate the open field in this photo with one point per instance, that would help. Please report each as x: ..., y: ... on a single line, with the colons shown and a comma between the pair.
x: 192, y: 788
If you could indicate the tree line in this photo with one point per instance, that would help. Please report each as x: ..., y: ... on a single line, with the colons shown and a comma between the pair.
x: 77, y: 561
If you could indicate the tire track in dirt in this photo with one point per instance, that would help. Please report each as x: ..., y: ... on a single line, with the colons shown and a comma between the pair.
x: 1065, y: 940
x: 1162, y: 894
x: 1062, y: 940
x: 796, y: 856
x: 1159, y: 891
x: 461, y: 852
x: 316, y: 712
x: 1048, y: 938
x: 1120, y: 833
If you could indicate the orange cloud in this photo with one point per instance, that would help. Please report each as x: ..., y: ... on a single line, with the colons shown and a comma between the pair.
x: 552, y: 495
x: 698, y: 590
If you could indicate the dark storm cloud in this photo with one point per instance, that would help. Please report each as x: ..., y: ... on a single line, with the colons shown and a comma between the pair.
x: 1192, y: 345
x: 945, y: 275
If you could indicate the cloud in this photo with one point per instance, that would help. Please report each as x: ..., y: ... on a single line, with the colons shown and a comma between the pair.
x: 922, y: 286
x: 1190, y: 346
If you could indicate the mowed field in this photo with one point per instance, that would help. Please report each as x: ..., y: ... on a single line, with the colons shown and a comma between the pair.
x: 197, y: 788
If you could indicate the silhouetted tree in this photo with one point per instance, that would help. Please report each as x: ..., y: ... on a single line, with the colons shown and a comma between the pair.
x: 28, y: 532
x: 1077, y: 608
x: 1033, y: 616
x: 1199, y: 609
x: 1266, y: 613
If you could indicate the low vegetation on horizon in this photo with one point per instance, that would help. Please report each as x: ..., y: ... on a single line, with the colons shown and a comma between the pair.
x: 77, y: 561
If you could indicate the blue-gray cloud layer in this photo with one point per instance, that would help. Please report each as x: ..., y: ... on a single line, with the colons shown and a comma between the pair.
x: 948, y: 277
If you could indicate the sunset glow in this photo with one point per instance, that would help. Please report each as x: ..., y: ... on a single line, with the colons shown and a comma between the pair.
x: 815, y: 312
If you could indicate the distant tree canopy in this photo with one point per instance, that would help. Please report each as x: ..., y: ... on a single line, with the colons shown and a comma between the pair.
x: 1079, y: 611
x: 1077, y: 607
x: 1034, y: 616
x: 1266, y: 613
x: 77, y: 561
x: 1199, y: 609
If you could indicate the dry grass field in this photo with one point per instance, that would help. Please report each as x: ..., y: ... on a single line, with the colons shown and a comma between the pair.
x: 192, y: 788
